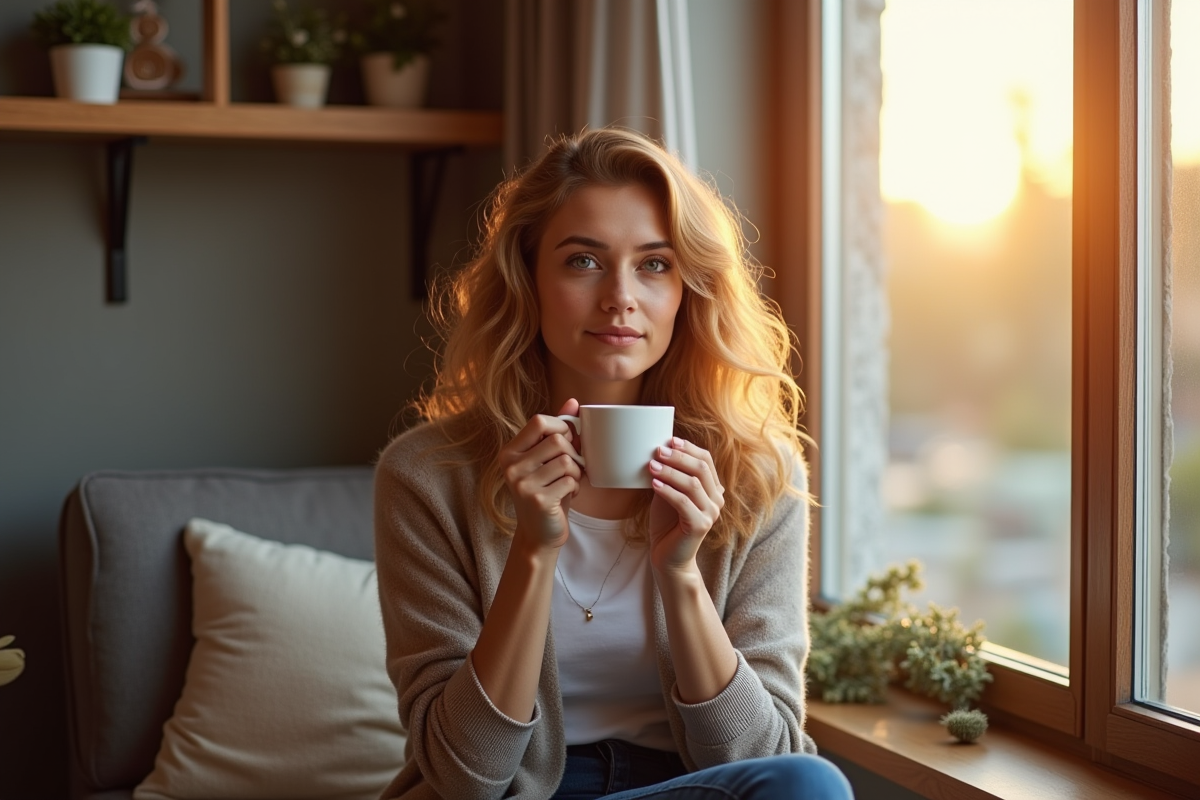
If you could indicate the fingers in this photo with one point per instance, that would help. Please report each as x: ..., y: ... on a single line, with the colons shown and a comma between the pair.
x: 550, y: 484
x: 541, y: 472
x: 517, y: 463
x: 684, y: 475
x: 692, y: 470
x: 535, y: 431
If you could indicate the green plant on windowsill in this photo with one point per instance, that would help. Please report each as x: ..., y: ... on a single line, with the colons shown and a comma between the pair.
x: 12, y: 661
x: 862, y: 645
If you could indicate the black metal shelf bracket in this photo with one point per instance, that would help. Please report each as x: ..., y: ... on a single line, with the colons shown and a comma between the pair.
x: 428, y: 172
x: 120, y: 171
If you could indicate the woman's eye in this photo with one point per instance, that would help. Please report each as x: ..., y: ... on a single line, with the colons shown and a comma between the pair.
x: 583, y: 262
x: 656, y: 265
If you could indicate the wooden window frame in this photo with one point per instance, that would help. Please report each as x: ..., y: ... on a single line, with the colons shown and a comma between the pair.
x: 1120, y: 732
x: 1091, y: 714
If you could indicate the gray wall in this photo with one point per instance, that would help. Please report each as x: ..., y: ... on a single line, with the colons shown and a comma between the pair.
x: 730, y: 46
x: 269, y: 321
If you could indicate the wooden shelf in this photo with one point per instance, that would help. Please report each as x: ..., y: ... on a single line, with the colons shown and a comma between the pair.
x: 431, y: 134
x: 250, y: 121
x: 216, y: 117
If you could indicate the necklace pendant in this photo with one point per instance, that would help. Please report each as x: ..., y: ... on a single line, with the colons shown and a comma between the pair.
x: 587, y: 615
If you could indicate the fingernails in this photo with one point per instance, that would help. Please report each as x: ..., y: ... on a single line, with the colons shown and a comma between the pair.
x: 657, y: 483
x: 655, y: 466
x: 677, y: 441
x: 665, y: 452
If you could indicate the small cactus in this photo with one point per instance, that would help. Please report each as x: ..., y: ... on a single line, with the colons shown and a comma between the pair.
x: 966, y: 725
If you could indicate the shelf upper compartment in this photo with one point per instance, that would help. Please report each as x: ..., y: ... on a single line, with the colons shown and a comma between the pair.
x: 251, y: 121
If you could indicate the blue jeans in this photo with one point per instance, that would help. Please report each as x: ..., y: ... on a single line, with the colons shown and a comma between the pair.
x: 617, y: 770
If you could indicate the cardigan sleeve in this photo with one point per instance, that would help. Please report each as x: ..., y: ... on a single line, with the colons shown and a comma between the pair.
x: 432, y: 615
x: 761, y: 711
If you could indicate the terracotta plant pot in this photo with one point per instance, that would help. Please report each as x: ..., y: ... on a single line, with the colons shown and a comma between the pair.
x: 387, y: 86
x: 301, y: 85
x: 89, y: 73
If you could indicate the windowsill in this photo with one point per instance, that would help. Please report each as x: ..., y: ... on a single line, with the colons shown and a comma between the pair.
x: 903, y: 741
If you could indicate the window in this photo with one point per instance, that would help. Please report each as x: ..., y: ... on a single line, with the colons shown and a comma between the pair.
x: 1126, y: 563
x: 954, y: 323
x: 1168, y: 542
x: 946, y: 305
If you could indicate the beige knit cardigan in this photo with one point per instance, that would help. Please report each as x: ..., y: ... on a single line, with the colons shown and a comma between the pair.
x: 440, y: 559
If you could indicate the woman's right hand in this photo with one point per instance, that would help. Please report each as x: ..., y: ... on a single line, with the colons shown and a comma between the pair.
x: 543, y: 477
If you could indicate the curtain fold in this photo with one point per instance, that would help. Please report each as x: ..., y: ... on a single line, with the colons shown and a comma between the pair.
x: 592, y: 63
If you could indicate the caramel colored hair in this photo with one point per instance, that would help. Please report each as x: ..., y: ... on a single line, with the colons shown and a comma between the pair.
x: 725, y: 370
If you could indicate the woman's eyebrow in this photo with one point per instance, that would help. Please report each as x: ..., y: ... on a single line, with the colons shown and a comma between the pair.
x: 599, y: 245
x: 583, y: 240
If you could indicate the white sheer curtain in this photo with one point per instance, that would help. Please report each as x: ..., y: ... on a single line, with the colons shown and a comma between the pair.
x: 855, y: 408
x: 591, y: 63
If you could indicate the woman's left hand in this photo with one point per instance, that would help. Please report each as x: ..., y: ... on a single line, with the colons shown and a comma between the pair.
x: 688, y: 498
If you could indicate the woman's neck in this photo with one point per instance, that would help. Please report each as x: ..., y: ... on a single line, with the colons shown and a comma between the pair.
x: 603, y: 394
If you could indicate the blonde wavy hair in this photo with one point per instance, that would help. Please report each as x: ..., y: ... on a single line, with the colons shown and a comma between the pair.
x: 726, y: 370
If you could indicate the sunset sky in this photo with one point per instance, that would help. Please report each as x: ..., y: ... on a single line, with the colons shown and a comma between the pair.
x: 959, y: 75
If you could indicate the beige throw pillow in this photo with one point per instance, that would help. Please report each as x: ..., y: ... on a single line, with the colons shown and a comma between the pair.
x: 286, y: 694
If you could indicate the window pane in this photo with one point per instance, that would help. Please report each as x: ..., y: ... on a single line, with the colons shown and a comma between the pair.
x: 1169, y: 635
x: 1183, y: 662
x: 972, y: 239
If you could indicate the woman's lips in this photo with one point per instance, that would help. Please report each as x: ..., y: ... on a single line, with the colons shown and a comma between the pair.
x: 615, y: 338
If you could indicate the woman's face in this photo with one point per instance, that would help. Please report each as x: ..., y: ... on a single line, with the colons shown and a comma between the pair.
x: 609, y: 287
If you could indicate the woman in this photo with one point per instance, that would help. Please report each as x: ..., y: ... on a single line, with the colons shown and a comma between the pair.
x: 548, y: 638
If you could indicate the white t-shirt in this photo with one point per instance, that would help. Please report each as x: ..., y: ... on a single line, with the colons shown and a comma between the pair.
x: 607, y: 668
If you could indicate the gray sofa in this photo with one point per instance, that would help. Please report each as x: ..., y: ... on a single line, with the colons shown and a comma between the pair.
x: 126, y: 588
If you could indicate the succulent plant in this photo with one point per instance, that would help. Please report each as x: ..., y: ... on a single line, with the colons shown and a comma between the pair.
x: 966, y: 725
x: 862, y: 645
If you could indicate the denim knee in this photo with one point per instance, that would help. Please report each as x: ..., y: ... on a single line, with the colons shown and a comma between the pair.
x: 802, y: 776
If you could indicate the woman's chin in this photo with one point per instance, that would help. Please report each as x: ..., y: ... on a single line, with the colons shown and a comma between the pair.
x: 608, y: 374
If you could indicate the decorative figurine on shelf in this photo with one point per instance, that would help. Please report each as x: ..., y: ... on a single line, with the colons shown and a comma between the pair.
x: 152, y: 64
x: 12, y: 661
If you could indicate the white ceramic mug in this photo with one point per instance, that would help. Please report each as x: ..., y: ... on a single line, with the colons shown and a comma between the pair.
x: 619, y: 442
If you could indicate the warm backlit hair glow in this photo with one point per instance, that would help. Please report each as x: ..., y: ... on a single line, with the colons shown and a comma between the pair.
x: 725, y: 371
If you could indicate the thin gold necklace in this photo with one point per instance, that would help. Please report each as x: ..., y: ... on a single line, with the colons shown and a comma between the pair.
x: 587, y: 610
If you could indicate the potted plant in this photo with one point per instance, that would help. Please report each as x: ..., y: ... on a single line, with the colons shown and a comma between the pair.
x: 301, y: 47
x: 395, y: 44
x: 87, y: 40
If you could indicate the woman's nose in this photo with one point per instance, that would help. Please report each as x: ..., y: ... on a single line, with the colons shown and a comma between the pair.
x: 618, y: 292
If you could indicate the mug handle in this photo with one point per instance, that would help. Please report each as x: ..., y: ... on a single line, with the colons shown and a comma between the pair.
x: 578, y: 425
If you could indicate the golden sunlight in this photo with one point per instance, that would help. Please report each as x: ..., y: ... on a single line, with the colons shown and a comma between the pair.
x: 975, y: 94
x: 1185, y: 82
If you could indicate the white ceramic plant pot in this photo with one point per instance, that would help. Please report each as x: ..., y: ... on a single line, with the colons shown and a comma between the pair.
x: 387, y: 86
x: 301, y: 85
x: 89, y: 73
